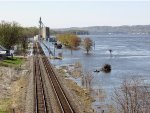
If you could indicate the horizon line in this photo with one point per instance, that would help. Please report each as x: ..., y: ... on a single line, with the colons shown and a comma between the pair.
x: 101, y: 26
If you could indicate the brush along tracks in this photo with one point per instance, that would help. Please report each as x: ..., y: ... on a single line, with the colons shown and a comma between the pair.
x: 62, y: 101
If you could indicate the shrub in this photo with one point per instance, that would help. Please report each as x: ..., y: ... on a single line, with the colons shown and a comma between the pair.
x: 106, y: 68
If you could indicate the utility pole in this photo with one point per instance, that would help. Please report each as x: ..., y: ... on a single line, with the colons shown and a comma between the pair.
x: 54, y: 50
x: 40, y: 28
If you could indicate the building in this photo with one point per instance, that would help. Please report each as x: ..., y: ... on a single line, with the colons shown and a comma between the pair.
x: 45, y: 32
x: 36, y: 37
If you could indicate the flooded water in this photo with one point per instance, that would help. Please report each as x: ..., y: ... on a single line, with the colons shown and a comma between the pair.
x: 130, y: 58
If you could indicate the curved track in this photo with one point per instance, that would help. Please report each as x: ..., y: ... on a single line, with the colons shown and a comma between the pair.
x: 62, y: 100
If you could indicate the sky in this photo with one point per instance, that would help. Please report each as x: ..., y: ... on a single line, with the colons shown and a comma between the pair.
x: 76, y: 13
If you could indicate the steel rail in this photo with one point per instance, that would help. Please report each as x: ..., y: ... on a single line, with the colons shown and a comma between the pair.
x: 40, y: 98
x: 63, y: 101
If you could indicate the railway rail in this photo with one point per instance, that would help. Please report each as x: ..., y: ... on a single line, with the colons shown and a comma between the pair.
x: 39, y: 97
x: 62, y: 100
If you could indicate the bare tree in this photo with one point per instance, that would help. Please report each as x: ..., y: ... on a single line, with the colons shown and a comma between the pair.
x: 86, y: 80
x: 132, y: 97
x: 87, y: 44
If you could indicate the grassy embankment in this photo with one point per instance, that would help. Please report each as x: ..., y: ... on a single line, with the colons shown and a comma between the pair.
x: 3, y: 112
x: 4, y: 104
x: 12, y: 62
x: 9, y: 62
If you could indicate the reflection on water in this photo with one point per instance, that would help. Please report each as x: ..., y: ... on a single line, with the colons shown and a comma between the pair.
x: 130, y: 57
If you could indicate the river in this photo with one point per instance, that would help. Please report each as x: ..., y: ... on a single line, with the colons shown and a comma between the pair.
x: 130, y: 58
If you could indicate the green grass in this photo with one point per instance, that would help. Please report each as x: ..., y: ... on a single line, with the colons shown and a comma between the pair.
x: 12, y: 62
x: 3, y: 111
x: 5, y: 105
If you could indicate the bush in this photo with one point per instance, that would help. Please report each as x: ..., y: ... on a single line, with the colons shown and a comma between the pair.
x: 106, y: 68
x: 69, y: 40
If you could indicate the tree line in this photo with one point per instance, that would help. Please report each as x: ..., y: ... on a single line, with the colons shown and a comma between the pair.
x: 73, y: 42
x: 69, y: 31
x: 11, y: 33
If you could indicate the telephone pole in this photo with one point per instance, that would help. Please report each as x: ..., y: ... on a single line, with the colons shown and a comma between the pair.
x: 40, y: 28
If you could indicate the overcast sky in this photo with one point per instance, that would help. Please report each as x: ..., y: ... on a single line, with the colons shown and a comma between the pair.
x: 62, y: 14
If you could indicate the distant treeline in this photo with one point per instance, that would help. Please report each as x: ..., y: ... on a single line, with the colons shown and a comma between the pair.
x: 136, y: 29
x: 75, y: 32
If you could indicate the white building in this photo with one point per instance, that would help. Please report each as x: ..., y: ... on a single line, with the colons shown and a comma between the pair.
x: 36, y: 38
x: 45, y: 33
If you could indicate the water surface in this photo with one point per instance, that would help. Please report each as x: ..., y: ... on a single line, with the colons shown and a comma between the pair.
x: 130, y: 58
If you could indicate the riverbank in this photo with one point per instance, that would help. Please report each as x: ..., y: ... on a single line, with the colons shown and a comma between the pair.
x: 91, y: 99
x: 80, y: 95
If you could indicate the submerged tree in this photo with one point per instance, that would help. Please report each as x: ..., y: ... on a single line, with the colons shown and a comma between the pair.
x: 87, y: 79
x: 69, y: 40
x: 87, y: 44
x: 106, y: 68
x: 132, y: 97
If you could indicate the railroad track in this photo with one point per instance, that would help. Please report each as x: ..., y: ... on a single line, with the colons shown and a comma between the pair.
x: 39, y: 97
x: 62, y: 100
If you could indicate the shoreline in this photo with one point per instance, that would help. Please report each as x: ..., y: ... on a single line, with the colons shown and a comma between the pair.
x: 91, y: 96
x: 81, y: 96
